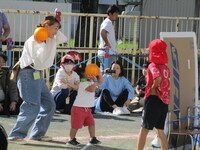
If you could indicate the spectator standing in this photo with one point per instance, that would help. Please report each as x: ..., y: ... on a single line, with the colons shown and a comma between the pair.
x: 107, y: 36
x: 38, y: 105
x: 157, y: 94
x: 4, y: 28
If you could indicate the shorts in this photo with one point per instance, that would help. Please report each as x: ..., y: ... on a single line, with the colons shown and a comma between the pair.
x: 81, y: 116
x: 154, y: 113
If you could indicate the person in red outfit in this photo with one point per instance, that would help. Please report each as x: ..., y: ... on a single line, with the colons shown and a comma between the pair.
x: 157, y: 94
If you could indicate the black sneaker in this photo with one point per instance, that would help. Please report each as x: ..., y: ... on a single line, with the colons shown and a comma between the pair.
x: 73, y: 142
x: 94, y: 141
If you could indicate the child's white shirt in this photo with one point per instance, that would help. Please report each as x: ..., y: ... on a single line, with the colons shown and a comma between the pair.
x: 61, y: 74
x: 84, y: 98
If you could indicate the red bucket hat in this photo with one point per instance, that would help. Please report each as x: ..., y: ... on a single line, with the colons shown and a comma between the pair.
x: 65, y: 58
x: 158, y: 53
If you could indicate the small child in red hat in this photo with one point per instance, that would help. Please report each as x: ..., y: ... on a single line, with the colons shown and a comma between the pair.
x: 157, y: 94
x: 65, y: 85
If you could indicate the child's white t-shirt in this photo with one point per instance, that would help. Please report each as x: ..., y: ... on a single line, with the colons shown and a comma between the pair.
x: 84, y: 98
x: 61, y: 74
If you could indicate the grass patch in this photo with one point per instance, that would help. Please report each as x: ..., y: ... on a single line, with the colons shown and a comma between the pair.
x: 126, y: 44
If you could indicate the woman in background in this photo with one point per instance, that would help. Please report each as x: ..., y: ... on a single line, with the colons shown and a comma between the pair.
x: 117, y: 91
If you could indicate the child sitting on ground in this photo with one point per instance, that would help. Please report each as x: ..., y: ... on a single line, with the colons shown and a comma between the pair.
x: 81, y: 112
x: 65, y: 85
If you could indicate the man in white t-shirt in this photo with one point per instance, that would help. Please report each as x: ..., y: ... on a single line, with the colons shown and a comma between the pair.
x: 107, y: 37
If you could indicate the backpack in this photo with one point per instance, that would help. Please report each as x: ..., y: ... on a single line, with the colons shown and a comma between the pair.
x: 3, y: 138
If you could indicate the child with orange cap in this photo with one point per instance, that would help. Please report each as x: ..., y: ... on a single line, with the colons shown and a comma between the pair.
x: 65, y: 85
x: 157, y: 94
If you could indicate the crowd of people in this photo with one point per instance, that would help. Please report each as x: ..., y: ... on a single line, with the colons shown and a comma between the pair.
x: 73, y: 92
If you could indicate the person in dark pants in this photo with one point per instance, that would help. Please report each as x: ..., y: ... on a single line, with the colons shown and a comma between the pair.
x: 65, y: 86
x: 9, y: 96
x: 138, y: 101
x: 117, y: 91
x: 157, y: 94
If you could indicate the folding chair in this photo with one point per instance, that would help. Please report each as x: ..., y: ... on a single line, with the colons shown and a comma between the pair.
x: 193, y: 117
x: 193, y: 121
x: 185, y: 132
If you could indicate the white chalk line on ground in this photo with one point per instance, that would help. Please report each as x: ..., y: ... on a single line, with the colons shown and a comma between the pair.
x: 85, y: 147
x: 135, y: 136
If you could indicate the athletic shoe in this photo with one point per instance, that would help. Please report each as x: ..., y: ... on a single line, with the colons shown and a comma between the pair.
x: 73, y: 142
x: 94, y: 141
x: 155, y: 143
x: 133, y: 106
x: 126, y: 111
x: 118, y: 111
x: 17, y: 141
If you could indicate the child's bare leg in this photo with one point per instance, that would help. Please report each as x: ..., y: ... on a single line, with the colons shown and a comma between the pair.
x: 91, y: 130
x: 163, y: 139
x: 72, y: 133
x: 142, y: 138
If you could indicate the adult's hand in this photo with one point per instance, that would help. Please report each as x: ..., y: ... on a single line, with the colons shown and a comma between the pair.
x: 1, y: 107
x: 114, y: 106
x: 127, y: 103
x: 12, y: 106
x: 2, y: 38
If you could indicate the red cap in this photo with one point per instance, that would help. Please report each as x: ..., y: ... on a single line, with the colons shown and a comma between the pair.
x: 158, y: 53
x: 65, y: 58
x: 157, y: 45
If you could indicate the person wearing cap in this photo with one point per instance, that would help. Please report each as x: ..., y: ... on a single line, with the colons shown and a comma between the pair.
x: 157, y: 94
x: 107, y: 36
x: 65, y: 85
x: 38, y: 104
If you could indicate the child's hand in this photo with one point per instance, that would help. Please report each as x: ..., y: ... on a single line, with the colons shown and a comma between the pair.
x: 70, y: 86
x: 63, y: 81
x: 94, y: 78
